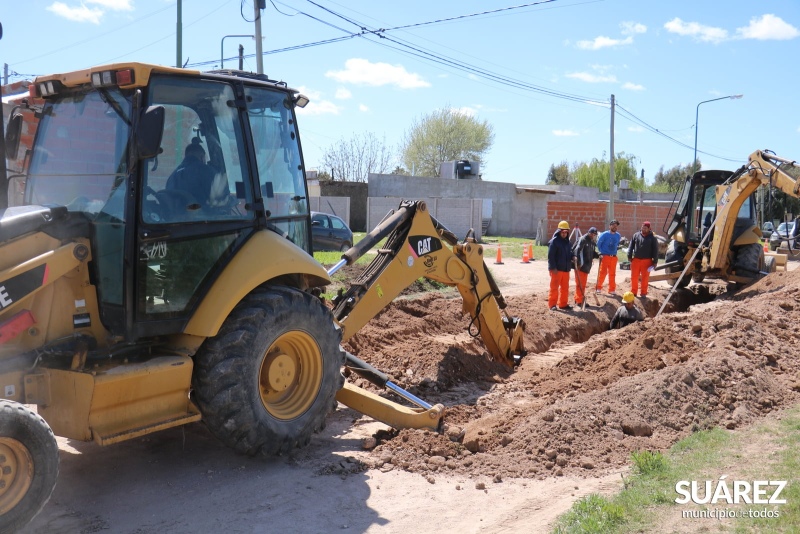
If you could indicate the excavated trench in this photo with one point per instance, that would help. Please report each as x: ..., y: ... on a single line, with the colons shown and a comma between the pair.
x: 584, y: 397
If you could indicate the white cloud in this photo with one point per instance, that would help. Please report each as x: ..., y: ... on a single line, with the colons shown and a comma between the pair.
x: 565, y: 133
x: 635, y: 129
x: 632, y: 86
x: 83, y: 13
x: 630, y: 28
x: 361, y: 72
x: 603, y: 42
x: 77, y: 14
x: 362, y: 107
x: 343, y: 94
x: 592, y: 78
x: 321, y: 107
x: 768, y: 27
x: 763, y: 28
x: 627, y: 28
x: 696, y: 30
x: 116, y: 5
x: 466, y: 111
x: 317, y: 105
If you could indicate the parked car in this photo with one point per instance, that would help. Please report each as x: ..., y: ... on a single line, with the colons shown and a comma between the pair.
x: 329, y: 232
x: 785, y: 234
x: 767, y: 229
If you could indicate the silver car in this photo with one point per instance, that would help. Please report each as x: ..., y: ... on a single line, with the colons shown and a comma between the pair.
x: 784, y: 236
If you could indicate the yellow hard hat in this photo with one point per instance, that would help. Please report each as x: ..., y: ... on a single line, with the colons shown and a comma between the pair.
x: 627, y: 297
x: 563, y: 225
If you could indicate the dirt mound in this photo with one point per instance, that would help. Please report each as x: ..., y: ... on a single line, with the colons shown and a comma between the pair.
x: 642, y: 387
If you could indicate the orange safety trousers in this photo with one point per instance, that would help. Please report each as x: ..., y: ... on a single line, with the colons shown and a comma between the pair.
x: 559, y: 289
x: 608, y: 265
x: 580, y: 286
x: 639, y: 267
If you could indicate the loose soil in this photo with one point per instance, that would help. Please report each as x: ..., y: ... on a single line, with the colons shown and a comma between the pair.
x: 583, y: 411
x: 518, y: 446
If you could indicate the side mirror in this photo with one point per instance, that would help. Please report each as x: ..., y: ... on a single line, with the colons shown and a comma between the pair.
x: 150, y: 131
x: 13, y: 134
x: 316, y: 223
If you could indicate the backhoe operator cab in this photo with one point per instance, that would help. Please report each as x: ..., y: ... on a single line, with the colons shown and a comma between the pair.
x: 714, y: 230
x: 189, y: 218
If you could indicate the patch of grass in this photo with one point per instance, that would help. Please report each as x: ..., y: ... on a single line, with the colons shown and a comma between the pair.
x: 648, y: 494
x: 512, y: 247
x: 649, y: 462
x: 592, y: 514
x: 784, y: 465
x: 651, y: 484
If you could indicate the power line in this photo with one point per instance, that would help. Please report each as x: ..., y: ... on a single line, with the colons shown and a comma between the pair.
x: 633, y: 118
x: 409, y: 49
x: 449, y: 19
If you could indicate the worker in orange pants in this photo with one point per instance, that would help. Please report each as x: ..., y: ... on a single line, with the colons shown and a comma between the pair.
x: 585, y: 253
x: 559, y: 263
x: 607, y: 245
x: 643, y: 255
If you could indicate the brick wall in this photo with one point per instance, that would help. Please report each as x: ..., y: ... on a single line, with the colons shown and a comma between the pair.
x: 588, y: 214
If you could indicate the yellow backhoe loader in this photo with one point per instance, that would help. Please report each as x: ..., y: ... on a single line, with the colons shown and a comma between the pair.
x: 158, y: 272
x: 714, y: 232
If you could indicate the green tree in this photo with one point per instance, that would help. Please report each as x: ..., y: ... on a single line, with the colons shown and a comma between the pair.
x: 400, y: 171
x: 445, y: 135
x: 596, y: 173
x: 559, y: 174
x: 671, y: 181
x: 351, y: 160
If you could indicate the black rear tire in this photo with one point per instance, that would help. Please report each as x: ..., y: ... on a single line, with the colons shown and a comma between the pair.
x: 28, y: 465
x: 266, y: 382
x: 749, y: 260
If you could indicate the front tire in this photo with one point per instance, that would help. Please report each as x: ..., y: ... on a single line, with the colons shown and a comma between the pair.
x: 266, y: 382
x: 28, y: 465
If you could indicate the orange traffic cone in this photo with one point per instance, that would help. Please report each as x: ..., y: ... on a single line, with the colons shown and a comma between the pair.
x: 530, y: 251
x: 526, y: 258
x: 499, y: 260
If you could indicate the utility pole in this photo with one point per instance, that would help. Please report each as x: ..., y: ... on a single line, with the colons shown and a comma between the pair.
x: 257, y: 7
x: 611, y: 169
x: 241, y: 57
x: 179, y: 34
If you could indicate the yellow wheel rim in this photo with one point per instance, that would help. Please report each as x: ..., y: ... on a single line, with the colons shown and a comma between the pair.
x: 290, y: 375
x: 16, y: 473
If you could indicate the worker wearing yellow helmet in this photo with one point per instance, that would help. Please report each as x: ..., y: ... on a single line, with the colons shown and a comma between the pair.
x: 559, y: 264
x: 627, y: 313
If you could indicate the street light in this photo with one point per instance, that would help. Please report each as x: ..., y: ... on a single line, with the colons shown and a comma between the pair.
x: 222, y: 48
x: 697, y: 116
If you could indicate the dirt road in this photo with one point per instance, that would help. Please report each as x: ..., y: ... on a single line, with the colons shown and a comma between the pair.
x: 561, y: 427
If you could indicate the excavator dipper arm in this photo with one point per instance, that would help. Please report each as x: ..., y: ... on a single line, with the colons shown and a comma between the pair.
x: 417, y: 245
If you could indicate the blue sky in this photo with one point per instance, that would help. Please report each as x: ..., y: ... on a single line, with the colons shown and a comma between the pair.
x: 542, y: 75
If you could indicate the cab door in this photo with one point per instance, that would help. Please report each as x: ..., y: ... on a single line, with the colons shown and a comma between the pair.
x: 194, y: 211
